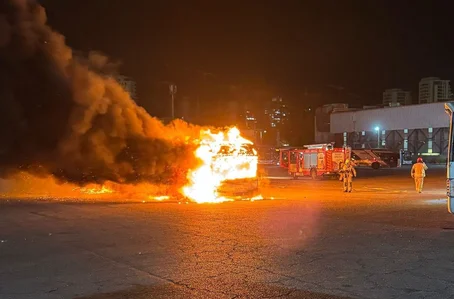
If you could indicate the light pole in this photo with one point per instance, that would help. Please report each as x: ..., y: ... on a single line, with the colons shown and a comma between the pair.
x: 378, y: 136
x: 173, y: 91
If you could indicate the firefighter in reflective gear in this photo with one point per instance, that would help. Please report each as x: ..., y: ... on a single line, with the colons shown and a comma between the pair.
x: 418, y: 172
x: 347, y: 174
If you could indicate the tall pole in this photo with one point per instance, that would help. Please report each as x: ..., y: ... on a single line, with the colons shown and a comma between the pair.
x: 378, y: 139
x: 173, y: 91
x: 378, y: 136
x: 173, y: 107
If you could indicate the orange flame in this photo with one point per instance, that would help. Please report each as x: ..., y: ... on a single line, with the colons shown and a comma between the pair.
x: 159, y: 198
x: 224, y: 156
x: 95, y: 190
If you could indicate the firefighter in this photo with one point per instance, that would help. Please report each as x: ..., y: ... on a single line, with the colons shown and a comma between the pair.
x: 418, y: 172
x: 347, y: 173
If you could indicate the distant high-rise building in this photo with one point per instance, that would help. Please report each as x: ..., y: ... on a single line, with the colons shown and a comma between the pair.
x: 433, y: 89
x: 396, y: 97
x: 278, y: 113
x: 128, y: 84
x: 251, y: 120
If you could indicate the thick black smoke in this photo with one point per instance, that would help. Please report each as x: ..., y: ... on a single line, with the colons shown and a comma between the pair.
x: 63, y: 116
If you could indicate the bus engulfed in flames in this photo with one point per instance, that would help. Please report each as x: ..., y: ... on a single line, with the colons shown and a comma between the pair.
x: 227, y: 170
x: 226, y: 159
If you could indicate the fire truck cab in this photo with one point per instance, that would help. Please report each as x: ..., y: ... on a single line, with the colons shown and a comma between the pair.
x: 316, y: 161
x: 284, y: 156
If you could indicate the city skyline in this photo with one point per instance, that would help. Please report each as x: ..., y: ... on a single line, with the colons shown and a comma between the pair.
x: 345, y: 46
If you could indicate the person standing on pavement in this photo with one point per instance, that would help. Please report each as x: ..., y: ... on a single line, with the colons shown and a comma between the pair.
x: 418, y: 172
x: 347, y: 174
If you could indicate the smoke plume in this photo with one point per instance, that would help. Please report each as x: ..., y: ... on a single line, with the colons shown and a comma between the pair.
x: 62, y: 115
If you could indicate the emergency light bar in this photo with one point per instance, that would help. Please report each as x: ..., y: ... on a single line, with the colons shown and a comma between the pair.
x: 319, y: 146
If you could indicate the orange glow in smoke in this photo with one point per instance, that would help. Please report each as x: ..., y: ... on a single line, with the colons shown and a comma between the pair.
x: 224, y: 156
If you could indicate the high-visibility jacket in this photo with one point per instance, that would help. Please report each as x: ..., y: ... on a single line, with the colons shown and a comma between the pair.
x: 348, y: 171
x: 419, y: 170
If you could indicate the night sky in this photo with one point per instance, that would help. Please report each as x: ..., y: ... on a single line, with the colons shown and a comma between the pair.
x: 291, y: 46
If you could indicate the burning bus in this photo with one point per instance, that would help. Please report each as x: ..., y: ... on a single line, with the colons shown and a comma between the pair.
x: 228, y: 168
x: 243, y: 180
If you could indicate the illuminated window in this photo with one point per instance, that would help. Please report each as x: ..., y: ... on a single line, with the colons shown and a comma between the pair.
x: 405, y: 144
x: 406, y: 131
x: 363, y: 133
x: 430, y: 130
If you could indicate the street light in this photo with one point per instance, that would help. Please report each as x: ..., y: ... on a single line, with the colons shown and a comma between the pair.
x: 173, y: 91
x: 378, y: 136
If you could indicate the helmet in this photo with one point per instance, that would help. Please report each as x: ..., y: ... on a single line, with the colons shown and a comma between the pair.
x: 419, y: 160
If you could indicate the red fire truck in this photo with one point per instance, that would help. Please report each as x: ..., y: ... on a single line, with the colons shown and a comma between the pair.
x: 314, y: 161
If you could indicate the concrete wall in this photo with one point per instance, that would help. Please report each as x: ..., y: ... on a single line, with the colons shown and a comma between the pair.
x: 393, y: 118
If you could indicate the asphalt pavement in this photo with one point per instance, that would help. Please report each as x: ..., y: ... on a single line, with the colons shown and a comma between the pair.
x: 306, y: 239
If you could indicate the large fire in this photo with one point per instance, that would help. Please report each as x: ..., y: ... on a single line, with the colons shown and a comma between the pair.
x: 226, y: 161
x: 224, y: 156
